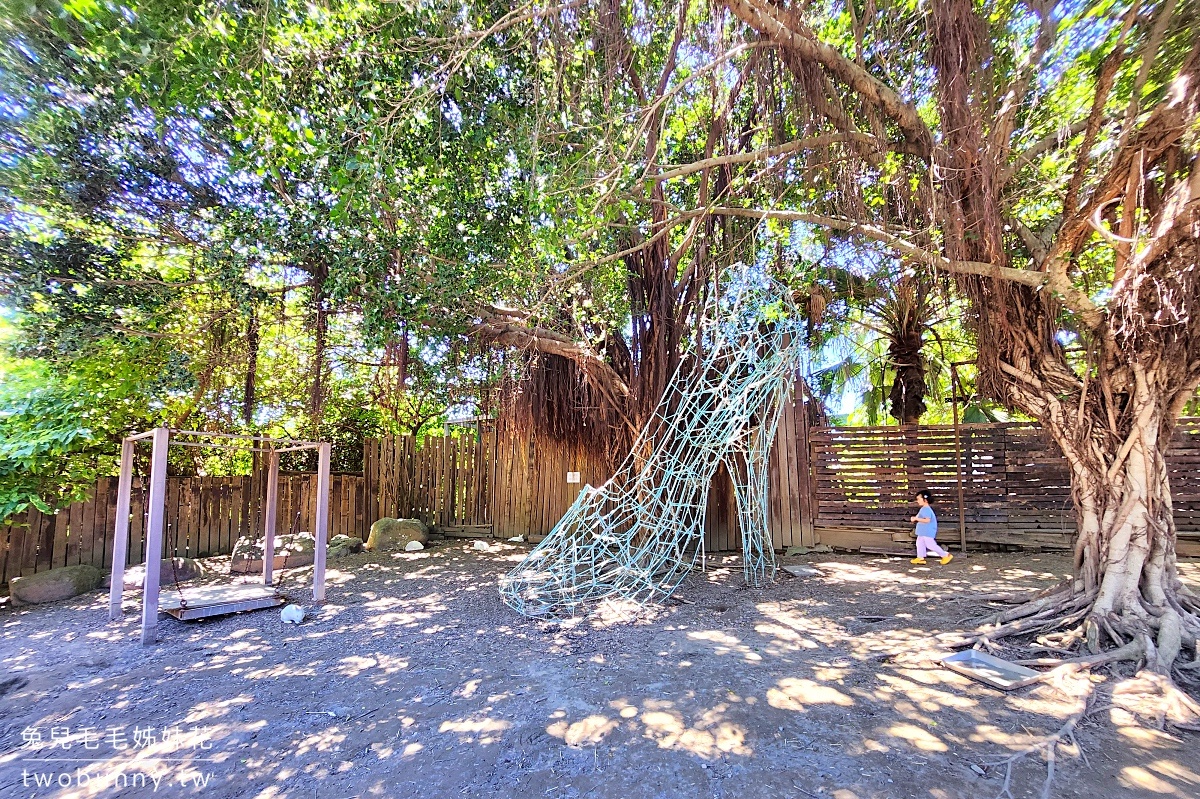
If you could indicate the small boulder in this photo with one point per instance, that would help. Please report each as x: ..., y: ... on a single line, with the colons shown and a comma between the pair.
x: 291, y: 551
x: 54, y: 585
x: 168, y: 571
x: 481, y: 546
x: 341, y: 546
x: 413, y: 546
x: 392, y: 534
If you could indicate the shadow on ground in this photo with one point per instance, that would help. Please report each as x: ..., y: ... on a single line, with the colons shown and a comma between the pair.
x: 415, y: 680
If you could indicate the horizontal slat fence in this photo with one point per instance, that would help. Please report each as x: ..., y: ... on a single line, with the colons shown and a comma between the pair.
x: 204, y: 516
x: 1016, y: 486
x: 532, y: 492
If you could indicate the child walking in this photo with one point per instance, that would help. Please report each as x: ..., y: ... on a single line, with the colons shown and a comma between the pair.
x: 926, y: 523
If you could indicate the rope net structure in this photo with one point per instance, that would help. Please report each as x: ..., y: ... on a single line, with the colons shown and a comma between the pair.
x: 637, y: 536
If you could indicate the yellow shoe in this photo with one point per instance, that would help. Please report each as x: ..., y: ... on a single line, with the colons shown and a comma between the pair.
x: 946, y: 559
x: 918, y: 561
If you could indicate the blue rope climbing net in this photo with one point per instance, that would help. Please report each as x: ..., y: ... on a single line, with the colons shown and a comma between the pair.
x: 638, y: 535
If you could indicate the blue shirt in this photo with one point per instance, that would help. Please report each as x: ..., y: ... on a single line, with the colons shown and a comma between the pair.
x: 927, y: 524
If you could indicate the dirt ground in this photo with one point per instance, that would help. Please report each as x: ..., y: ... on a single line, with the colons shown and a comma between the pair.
x: 415, y: 680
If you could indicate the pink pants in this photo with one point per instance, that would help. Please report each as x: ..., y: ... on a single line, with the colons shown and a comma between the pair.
x: 927, y: 544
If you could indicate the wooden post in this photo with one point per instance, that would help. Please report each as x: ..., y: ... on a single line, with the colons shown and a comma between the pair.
x: 121, y: 531
x: 154, y: 533
x: 962, y: 511
x: 269, y: 516
x: 808, y: 499
x: 324, y: 452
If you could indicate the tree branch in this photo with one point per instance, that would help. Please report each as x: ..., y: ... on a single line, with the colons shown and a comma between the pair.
x: 1104, y: 84
x: 595, y: 369
x: 1162, y: 130
x: 786, y: 30
x: 538, y: 339
x: 788, y: 148
x: 1001, y: 133
x: 1055, y: 140
x: 1073, y: 298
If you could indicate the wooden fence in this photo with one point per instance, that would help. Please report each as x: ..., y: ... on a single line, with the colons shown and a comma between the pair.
x: 445, y: 481
x: 501, y: 484
x: 846, y: 487
x: 204, y: 516
x: 532, y: 493
x: 1016, y: 487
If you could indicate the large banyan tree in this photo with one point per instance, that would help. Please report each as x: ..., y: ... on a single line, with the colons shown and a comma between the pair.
x: 1042, y: 157
x: 1072, y: 227
x: 570, y: 179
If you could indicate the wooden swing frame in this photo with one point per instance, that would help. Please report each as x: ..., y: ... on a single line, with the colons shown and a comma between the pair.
x: 160, y: 443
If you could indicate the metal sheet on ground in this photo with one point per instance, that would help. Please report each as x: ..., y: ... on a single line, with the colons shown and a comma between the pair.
x: 991, y: 670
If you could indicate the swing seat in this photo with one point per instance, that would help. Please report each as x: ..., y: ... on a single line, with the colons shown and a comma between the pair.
x: 218, y: 600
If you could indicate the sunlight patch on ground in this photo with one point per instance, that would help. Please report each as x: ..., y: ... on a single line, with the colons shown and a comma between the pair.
x: 480, y: 730
x: 860, y: 573
x: 206, y: 711
x: 794, y: 693
x: 931, y: 689
x: 1138, y: 777
x: 590, y: 730
x: 669, y: 731
x: 1175, y: 770
x: 793, y: 627
x: 991, y: 734
x: 324, y: 741
x: 272, y: 672
x: 613, y: 612
x: 916, y: 736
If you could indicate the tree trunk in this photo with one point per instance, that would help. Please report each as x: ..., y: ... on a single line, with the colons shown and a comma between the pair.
x: 251, y: 386
x: 316, y: 397
x: 907, y: 397
x: 1125, y: 549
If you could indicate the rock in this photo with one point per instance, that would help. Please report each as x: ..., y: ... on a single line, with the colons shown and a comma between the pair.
x: 393, y: 534
x: 184, y: 569
x: 342, y: 545
x: 481, y: 546
x: 802, y: 550
x: 292, y: 614
x: 291, y: 551
x: 54, y: 585
x: 803, y: 571
x: 413, y: 546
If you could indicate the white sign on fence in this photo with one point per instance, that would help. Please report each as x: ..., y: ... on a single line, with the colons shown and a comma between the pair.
x: 572, y: 477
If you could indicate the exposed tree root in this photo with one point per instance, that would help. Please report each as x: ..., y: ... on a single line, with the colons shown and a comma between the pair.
x: 1153, y: 637
x: 1155, y: 696
x: 1049, y: 747
x: 1018, y: 597
x: 1148, y: 695
x: 1132, y: 651
x: 1061, y: 599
